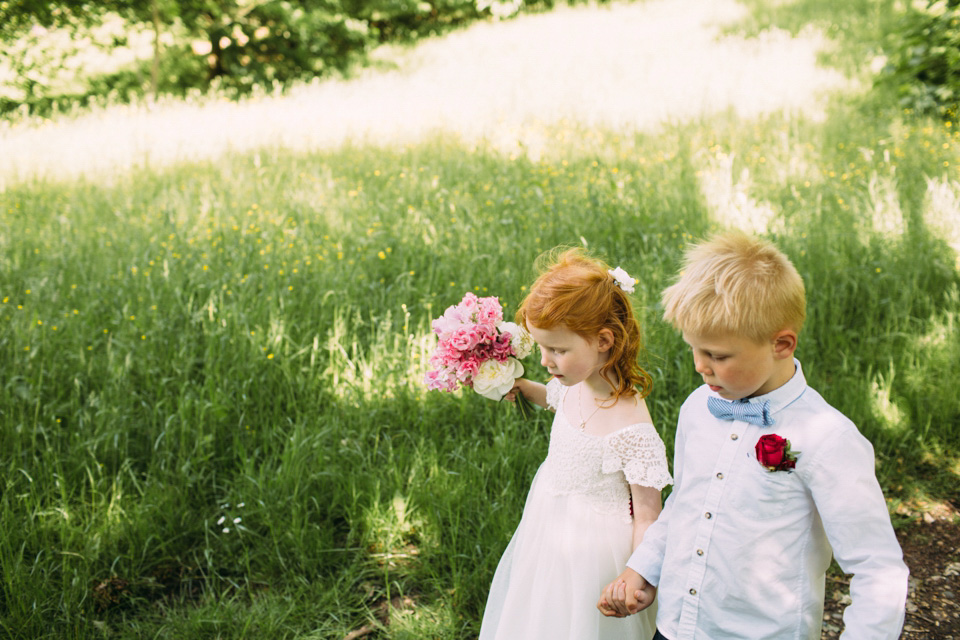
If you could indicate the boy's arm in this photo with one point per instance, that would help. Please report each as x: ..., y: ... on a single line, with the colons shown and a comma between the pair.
x: 855, y: 516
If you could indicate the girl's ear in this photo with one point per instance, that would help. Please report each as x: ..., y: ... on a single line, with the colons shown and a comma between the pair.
x: 604, y: 340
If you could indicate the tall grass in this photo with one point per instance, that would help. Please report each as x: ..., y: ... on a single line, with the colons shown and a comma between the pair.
x: 213, y: 424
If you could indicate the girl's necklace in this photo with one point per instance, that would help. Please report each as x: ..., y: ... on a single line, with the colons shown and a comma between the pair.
x: 583, y: 423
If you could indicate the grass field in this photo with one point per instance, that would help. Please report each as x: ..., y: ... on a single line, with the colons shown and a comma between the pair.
x: 213, y: 422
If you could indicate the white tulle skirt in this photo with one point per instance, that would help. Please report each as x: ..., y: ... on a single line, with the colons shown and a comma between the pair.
x: 562, y: 556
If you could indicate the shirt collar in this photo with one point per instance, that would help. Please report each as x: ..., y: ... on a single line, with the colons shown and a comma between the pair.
x: 785, y: 394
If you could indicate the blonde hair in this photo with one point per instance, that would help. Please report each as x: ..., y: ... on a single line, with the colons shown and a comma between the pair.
x: 576, y: 291
x: 734, y: 283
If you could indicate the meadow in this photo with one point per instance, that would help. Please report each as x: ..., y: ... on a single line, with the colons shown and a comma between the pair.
x: 212, y: 416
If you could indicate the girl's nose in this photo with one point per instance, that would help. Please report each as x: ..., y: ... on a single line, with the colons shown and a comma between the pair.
x: 544, y: 360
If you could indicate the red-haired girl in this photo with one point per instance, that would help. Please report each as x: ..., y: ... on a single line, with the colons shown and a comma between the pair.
x: 599, y: 488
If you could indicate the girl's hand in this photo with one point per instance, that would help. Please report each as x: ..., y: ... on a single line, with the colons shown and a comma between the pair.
x: 626, y: 595
x: 512, y: 394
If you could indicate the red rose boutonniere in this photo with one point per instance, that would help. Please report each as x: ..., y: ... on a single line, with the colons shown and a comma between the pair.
x: 773, y: 452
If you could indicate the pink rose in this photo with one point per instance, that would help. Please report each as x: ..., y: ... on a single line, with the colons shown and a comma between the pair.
x: 467, y: 370
x: 439, y: 380
x: 466, y: 337
x: 468, y: 306
x: 455, y: 317
x: 437, y: 358
x: 490, y: 312
x: 483, y: 351
x: 501, y: 348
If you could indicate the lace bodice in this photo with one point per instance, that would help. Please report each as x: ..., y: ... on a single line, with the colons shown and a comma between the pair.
x: 602, y: 468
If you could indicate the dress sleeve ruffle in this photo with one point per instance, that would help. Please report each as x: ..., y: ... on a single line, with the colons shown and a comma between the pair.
x: 639, y: 452
x: 554, y: 394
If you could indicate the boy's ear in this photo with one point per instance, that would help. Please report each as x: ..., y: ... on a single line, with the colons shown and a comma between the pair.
x: 784, y: 344
x: 604, y: 340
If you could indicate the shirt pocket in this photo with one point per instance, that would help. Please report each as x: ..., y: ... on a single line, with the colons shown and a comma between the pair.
x: 762, y: 494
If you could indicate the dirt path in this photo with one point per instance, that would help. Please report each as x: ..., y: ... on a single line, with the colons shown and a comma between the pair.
x: 931, y: 549
x: 621, y: 65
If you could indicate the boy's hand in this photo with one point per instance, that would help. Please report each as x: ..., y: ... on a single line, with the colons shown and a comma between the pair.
x: 626, y: 595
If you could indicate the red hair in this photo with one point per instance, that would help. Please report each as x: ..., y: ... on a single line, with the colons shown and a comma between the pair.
x: 576, y: 291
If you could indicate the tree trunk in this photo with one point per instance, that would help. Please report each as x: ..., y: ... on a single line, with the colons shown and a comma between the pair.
x: 155, y: 68
x: 216, y: 52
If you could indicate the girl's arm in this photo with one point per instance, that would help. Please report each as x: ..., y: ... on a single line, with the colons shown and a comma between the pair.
x: 535, y: 392
x: 615, y: 601
x: 646, y: 508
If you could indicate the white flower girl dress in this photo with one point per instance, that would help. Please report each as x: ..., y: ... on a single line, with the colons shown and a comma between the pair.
x: 575, y: 536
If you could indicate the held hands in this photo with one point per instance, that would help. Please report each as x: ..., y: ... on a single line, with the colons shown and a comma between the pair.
x: 626, y: 595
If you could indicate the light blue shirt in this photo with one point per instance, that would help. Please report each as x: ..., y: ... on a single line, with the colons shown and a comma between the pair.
x: 741, y: 552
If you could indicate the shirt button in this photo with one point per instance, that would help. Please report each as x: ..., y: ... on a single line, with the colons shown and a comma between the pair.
x: 719, y: 476
x: 699, y: 552
x: 734, y: 436
x: 708, y: 515
x: 693, y: 592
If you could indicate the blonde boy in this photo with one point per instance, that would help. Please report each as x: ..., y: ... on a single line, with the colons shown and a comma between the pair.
x: 769, y: 478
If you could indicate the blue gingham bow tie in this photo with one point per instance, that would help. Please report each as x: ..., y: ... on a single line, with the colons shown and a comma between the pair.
x: 757, y: 413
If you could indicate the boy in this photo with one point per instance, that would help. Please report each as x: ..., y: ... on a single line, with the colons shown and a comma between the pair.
x: 769, y: 478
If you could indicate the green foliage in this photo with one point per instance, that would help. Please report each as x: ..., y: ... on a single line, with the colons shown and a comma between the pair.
x: 247, y: 45
x: 922, y: 47
x: 245, y: 339
x: 19, y: 15
x: 268, y: 43
x: 924, y: 60
x: 213, y: 423
x: 233, y: 46
x: 214, y: 420
x: 399, y: 20
x: 855, y: 28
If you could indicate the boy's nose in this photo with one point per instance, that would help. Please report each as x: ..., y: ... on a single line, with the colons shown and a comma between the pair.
x: 700, y: 366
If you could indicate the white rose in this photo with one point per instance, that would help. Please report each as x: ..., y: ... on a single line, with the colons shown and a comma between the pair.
x: 520, y: 338
x: 623, y: 279
x: 495, y: 379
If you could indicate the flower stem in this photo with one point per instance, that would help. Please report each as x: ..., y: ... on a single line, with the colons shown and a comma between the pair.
x: 524, y: 406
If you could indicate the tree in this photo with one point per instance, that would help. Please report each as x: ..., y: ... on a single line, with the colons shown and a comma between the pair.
x: 249, y: 42
x: 923, y: 55
x: 21, y: 20
x: 234, y: 44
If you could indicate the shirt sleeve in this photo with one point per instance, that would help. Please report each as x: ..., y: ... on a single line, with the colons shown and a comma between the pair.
x: 857, y: 523
x: 647, y: 558
x: 638, y: 451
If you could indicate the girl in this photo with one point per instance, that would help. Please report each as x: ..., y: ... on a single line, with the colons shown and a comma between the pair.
x: 599, y: 488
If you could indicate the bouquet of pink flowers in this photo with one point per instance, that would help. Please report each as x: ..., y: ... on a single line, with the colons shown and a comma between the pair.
x: 477, y: 349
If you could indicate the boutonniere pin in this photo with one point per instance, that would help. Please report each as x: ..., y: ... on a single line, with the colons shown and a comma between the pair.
x: 773, y: 452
